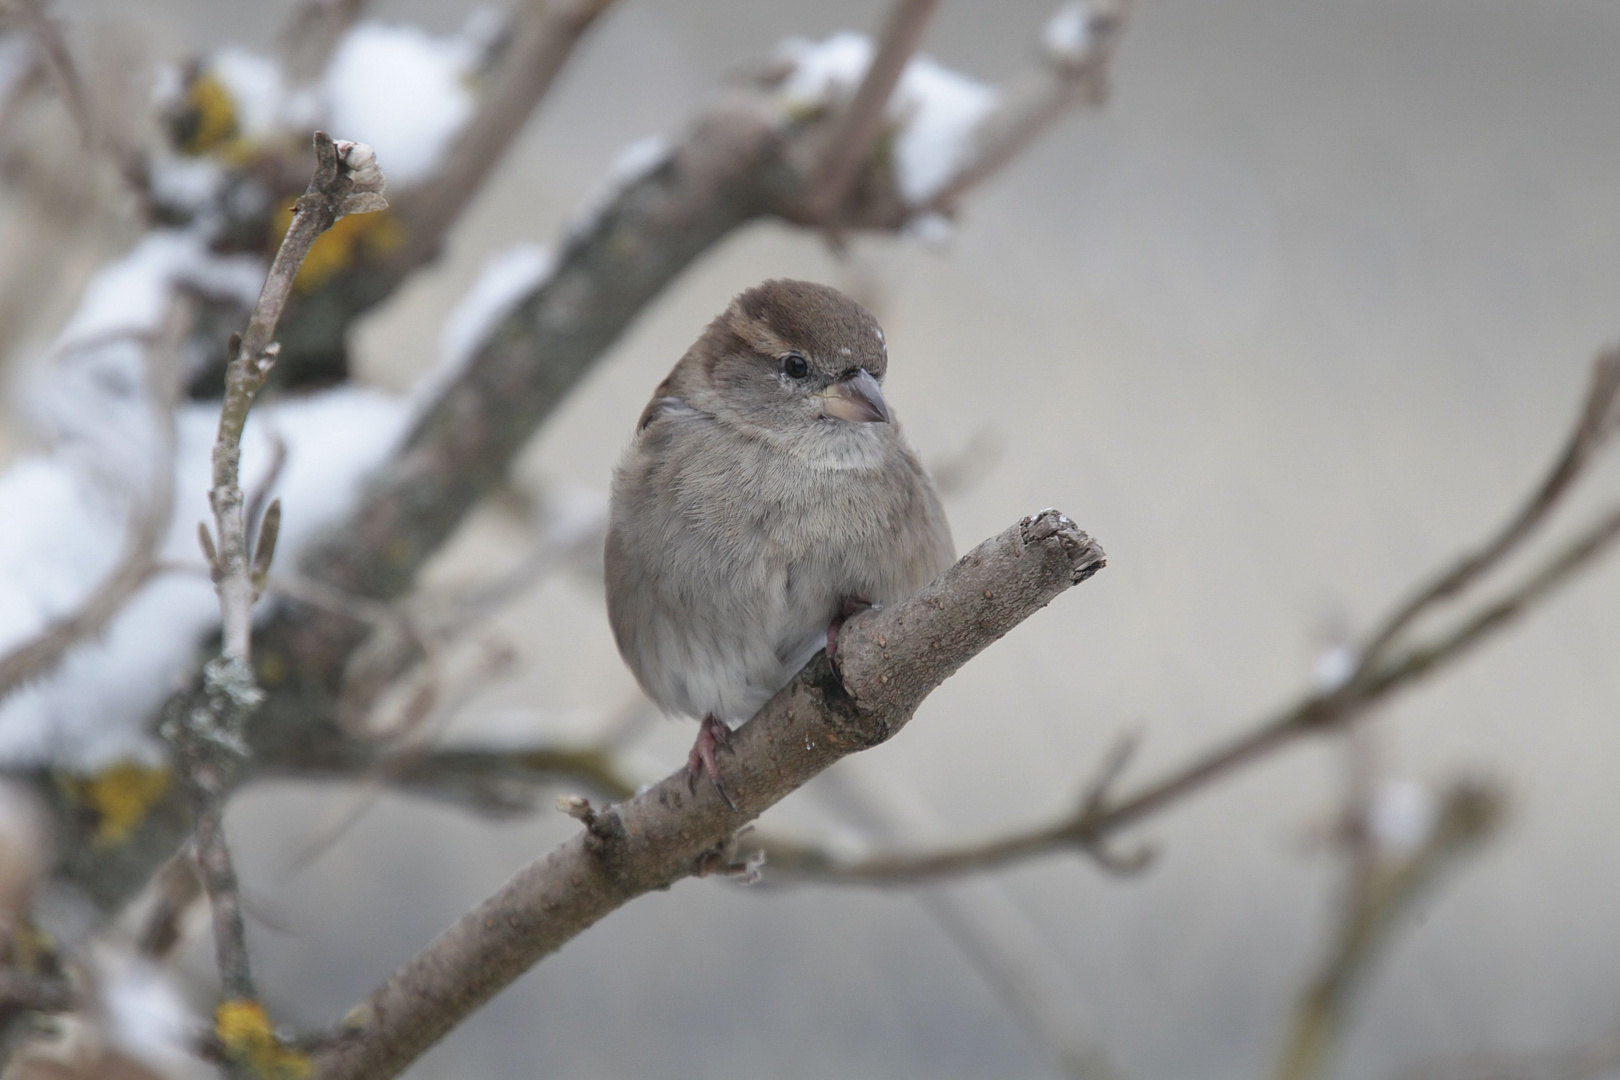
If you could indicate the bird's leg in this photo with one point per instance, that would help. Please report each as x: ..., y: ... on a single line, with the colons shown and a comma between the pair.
x: 849, y: 607
x: 712, y: 735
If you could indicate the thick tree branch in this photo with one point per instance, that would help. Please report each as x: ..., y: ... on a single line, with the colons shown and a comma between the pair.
x: 891, y: 659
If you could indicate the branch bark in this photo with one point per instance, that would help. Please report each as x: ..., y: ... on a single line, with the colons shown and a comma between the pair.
x: 890, y: 660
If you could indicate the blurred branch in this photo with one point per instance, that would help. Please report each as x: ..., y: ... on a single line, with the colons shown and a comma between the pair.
x: 21, y: 992
x: 129, y: 163
x: 890, y: 661
x: 1469, y: 813
x: 207, y: 736
x: 1374, y: 679
x: 862, y: 122
x: 148, y: 524
x: 53, y: 46
x: 1078, y: 46
x: 545, y: 37
x: 1598, y: 419
x: 313, y: 33
x: 986, y: 923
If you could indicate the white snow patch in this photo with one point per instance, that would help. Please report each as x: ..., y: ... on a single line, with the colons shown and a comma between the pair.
x: 1333, y: 668
x: 255, y: 85
x: 64, y: 535
x: 402, y: 90
x: 937, y: 110
x: 503, y: 281
x: 634, y: 161
x: 932, y: 229
x: 1401, y: 816
x: 131, y: 295
x: 190, y: 183
x: 90, y: 394
x: 1067, y: 34
x: 145, y: 1015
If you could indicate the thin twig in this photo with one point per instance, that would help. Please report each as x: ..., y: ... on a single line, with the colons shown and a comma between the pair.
x: 1076, y: 72
x: 346, y: 181
x: 862, y: 121
x: 1322, y: 711
x: 208, y: 737
x: 1597, y: 421
x: 1469, y: 813
x: 129, y: 164
x: 48, y: 34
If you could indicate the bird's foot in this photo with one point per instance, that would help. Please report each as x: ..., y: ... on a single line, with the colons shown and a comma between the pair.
x: 848, y: 609
x: 712, y: 735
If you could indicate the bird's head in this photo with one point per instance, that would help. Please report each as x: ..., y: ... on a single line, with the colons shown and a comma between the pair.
x: 794, y: 359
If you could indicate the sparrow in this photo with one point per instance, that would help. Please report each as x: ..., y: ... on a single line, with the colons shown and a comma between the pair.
x: 768, y: 494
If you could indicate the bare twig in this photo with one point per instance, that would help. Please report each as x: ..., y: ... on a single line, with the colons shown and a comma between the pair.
x: 129, y: 163
x: 1328, y: 709
x: 862, y: 121
x: 312, y: 33
x: 985, y: 922
x: 48, y: 34
x: 1469, y: 813
x: 208, y: 735
x: 1079, y: 46
x: 890, y: 660
x: 175, y: 889
x: 1598, y: 418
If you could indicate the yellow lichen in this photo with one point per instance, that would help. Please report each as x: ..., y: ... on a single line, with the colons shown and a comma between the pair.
x: 351, y: 239
x: 121, y: 796
x: 211, y: 115
x: 249, y: 1040
x: 272, y: 669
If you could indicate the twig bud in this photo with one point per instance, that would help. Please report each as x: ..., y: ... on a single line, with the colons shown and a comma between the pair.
x: 205, y: 540
x: 264, y: 549
x: 576, y: 806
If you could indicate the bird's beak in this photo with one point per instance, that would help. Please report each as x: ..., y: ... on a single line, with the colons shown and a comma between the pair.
x: 856, y: 398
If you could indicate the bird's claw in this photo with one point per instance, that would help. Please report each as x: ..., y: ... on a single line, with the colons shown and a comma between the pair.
x: 849, y: 607
x: 712, y: 735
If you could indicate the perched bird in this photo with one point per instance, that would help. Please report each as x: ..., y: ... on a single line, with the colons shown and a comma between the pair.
x: 769, y: 494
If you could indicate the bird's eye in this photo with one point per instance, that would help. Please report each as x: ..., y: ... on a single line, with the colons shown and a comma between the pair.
x: 795, y: 366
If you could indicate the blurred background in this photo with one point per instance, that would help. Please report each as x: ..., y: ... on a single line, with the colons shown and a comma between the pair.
x: 1298, y: 315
